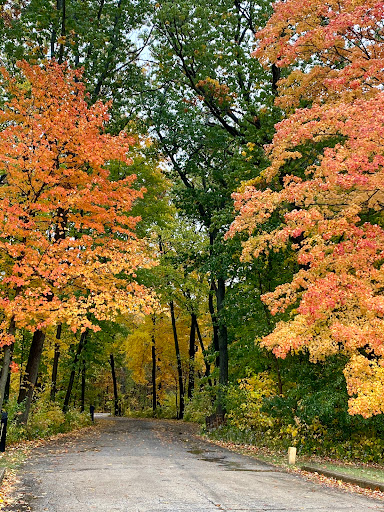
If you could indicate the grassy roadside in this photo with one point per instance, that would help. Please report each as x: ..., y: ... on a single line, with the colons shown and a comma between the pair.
x: 364, y: 471
x: 13, y: 457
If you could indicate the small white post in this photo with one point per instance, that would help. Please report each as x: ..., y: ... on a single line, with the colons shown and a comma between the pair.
x: 292, y: 455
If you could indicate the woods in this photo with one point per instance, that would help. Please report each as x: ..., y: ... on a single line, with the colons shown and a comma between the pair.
x: 191, y: 215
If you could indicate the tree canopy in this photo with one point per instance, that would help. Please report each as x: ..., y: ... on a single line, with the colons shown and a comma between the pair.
x: 191, y: 212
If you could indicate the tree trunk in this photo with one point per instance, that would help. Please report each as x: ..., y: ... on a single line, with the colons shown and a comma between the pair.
x: 8, y: 349
x: 178, y: 359
x: 55, y: 365
x: 206, y: 362
x: 279, y: 380
x: 154, y: 385
x: 215, y: 326
x: 31, y: 372
x: 276, y: 74
x: 7, y: 386
x: 115, y: 395
x: 80, y: 346
x: 82, y: 398
x: 61, y: 6
x: 222, y: 333
x: 192, y: 350
x: 223, y: 344
x: 5, y: 374
x: 22, y: 354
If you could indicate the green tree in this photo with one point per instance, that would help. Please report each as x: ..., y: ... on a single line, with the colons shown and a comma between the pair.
x: 105, y: 37
x: 212, y: 114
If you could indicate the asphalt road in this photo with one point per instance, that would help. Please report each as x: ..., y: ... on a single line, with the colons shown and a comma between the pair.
x: 133, y: 465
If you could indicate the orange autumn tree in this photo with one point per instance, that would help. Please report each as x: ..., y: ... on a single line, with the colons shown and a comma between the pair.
x: 68, y: 252
x: 325, y: 182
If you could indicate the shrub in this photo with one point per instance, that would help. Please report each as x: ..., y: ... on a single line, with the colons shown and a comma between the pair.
x: 244, y: 403
x: 46, y: 419
x: 201, y: 405
x: 75, y: 419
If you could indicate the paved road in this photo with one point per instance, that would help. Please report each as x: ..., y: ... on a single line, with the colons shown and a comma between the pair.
x: 133, y: 465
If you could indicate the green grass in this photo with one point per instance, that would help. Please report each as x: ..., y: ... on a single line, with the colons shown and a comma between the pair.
x: 13, y: 457
x: 374, y: 472
x: 358, y: 471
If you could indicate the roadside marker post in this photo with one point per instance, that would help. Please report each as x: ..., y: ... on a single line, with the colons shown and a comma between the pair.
x: 292, y: 455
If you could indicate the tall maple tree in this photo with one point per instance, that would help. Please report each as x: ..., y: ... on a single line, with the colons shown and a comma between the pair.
x: 325, y: 182
x: 67, y: 246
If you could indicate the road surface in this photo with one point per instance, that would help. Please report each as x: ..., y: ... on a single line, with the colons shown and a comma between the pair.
x: 135, y: 465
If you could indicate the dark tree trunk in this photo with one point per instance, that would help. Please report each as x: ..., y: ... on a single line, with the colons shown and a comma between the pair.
x: 159, y: 386
x: 279, y: 380
x: 61, y: 5
x: 222, y: 333
x: 192, y: 350
x: 80, y: 346
x: 276, y: 74
x: 82, y: 398
x: 215, y: 326
x: 154, y: 385
x: 7, y: 387
x: 22, y: 354
x: 55, y: 364
x: 206, y: 362
x: 31, y: 372
x: 223, y: 345
x: 178, y: 359
x: 115, y: 395
x: 4, y: 376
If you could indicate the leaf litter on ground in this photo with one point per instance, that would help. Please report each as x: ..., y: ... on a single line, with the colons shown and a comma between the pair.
x: 279, y: 459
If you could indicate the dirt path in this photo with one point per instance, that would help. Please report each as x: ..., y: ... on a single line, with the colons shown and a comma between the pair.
x: 132, y: 465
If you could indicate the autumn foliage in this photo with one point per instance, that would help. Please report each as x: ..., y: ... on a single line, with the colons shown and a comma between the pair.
x: 325, y: 183
x: 68, y: 252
